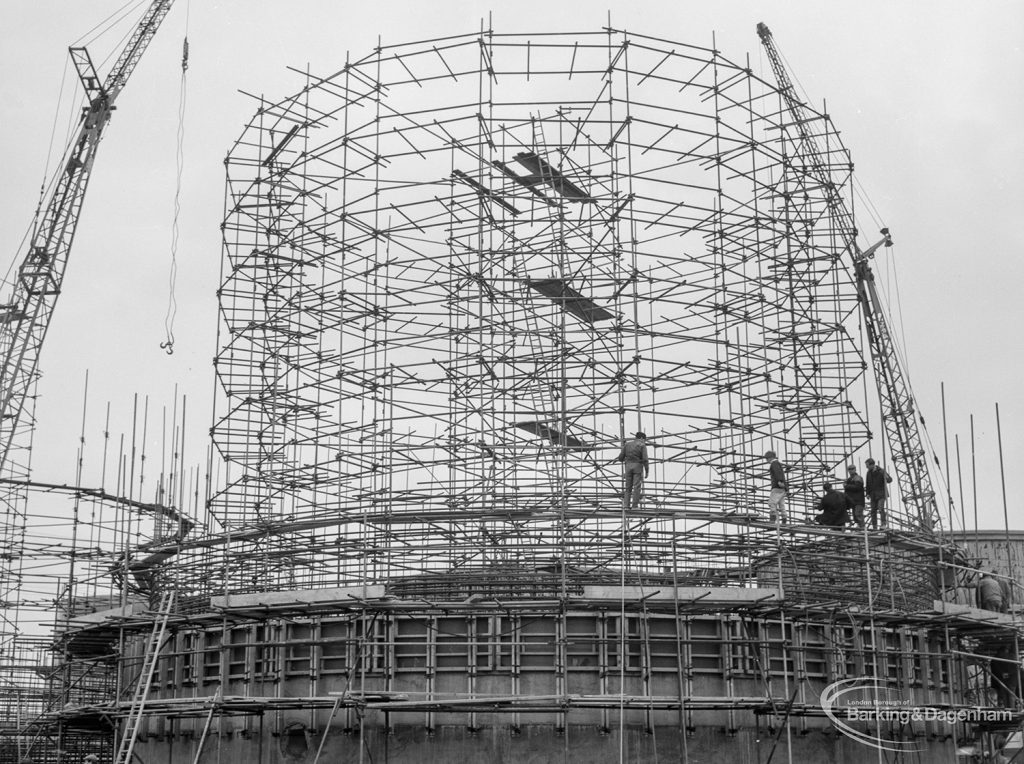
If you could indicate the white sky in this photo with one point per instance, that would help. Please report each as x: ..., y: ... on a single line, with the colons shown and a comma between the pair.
x: 929, y: 98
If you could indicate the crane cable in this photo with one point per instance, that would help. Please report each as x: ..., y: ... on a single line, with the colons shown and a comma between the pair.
x: 102, y: 27
x: 172, y: 303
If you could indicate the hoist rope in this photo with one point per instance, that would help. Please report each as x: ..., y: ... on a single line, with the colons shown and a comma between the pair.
x: 172, y: 303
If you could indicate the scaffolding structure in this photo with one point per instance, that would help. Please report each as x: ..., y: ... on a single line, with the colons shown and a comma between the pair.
x: 81, y: 550
x: 457, y: 275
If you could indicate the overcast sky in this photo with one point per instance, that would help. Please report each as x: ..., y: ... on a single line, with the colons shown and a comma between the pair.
x: 929, y: 98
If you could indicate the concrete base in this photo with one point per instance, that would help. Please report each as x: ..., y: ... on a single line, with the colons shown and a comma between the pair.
x: 533, y: 744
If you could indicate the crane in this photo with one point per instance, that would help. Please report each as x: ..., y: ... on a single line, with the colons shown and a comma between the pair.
x: 25, y: 316
x: 899, y: 410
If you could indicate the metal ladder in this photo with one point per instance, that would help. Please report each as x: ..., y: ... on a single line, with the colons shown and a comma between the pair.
x: 134, y: 720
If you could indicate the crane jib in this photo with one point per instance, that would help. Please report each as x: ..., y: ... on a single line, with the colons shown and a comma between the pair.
x: 25, y: 315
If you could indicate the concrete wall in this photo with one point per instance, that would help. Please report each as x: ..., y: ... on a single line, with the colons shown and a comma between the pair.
x: 470, y: 651
x: 533, y: 744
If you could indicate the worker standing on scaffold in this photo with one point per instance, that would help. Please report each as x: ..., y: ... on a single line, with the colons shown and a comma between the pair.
x: 854, y: 490
x: 634, y: 458
x: 777, y: 473
x: 875, y: 481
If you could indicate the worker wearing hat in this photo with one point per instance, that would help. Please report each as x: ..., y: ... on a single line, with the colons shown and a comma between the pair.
x: 853, y: 487
x: 636, y: 468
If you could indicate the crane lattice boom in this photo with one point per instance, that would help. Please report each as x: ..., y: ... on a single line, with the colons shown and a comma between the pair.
x: 25, y: 317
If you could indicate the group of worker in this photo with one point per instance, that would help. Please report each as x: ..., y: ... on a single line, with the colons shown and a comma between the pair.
x: 835, y: 508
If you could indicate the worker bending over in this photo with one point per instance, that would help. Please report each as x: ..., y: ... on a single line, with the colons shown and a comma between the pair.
x: 990, y: 593
x: 834, y: 508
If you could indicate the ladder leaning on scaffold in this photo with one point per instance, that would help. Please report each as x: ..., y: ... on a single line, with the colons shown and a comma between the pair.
x: 156, y: 638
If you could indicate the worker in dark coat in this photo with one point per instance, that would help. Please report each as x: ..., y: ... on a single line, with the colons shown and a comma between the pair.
x: 636, y: 468
x: 854, y: 490
x: 876, y: 481
x: 834, y: 508
x: 779, y: 487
